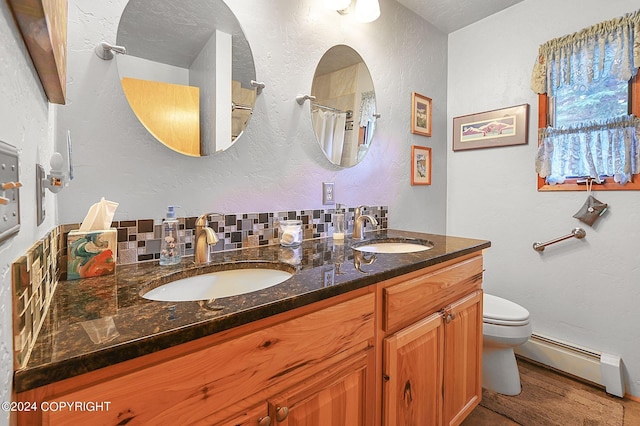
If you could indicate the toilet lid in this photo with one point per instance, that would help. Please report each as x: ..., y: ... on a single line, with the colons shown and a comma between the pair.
x: 497, y: 310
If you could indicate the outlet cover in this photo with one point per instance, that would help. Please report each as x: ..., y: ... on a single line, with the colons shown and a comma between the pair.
x: 328, y: 193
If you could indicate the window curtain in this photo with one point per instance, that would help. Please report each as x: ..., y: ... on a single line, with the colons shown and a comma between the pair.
x: 595, y: 149
x: 607, y: 146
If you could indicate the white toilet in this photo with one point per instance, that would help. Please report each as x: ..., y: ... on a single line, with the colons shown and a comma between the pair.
x: 505, y: 326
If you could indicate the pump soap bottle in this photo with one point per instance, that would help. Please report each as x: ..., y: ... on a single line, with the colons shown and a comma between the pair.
x: 339, y: 226
x: 170, y: 244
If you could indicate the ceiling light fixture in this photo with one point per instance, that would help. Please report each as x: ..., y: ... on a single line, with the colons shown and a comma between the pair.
x: 367, y: 10
x: 364, y: 10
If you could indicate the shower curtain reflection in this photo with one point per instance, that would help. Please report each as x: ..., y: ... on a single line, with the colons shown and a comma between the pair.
x: 330, y: 130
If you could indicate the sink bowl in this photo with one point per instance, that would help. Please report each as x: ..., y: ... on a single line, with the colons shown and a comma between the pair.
x: 394, y: 246
x: 217, y: 284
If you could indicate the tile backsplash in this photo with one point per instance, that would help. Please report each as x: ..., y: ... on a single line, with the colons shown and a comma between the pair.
x: 35, y: 275
x: 139, y: 240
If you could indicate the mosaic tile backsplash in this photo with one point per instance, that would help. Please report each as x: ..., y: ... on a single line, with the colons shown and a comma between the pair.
x: 34, y: 277
x: 139, y: 240
x: 36, y: 274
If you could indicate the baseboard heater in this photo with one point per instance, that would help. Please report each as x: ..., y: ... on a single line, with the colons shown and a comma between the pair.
x: 597, y: 367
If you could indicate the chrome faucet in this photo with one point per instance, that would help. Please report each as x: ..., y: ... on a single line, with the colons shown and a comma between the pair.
x: 205, y: 237
x: 358, y: 223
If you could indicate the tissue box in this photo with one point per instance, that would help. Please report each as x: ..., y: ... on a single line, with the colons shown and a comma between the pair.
x: 91, y: 253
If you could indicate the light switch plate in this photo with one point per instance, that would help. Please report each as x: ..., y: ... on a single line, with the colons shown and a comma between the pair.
x: 10, y: 207
x: 328, y: 193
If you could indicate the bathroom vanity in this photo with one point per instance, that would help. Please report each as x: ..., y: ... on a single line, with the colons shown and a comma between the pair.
x: 397, y: 340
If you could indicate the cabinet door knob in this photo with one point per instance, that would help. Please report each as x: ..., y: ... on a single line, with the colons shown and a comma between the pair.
x: 264, y: 421
x: 447, y: 314
x: 450, y: 316
x: 281, y: 413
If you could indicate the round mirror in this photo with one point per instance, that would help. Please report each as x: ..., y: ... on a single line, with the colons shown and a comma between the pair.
x: 343, y: 113
x: 187, y: 72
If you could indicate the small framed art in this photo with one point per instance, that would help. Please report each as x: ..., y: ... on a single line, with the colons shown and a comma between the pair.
x: 500, y: 127
x: 420, y: 114
x: 420, y: 165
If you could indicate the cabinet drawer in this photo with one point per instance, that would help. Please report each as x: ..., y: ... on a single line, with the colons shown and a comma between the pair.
x: 423, y: 294
x: 220, y: 380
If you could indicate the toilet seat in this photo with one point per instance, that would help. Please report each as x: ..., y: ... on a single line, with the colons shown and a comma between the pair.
x: 499, y: 311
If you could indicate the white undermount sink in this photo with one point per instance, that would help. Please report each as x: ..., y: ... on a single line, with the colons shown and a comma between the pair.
x: 218, y: 284
x: 394, y: 246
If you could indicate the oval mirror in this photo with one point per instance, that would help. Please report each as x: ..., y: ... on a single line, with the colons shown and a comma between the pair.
x: 343, y: 113
x: 187, y: 72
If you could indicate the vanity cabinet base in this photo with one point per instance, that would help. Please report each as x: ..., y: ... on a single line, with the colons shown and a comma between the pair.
x: 431, y: 345
x: 229, y: 378
x: 404, y: 351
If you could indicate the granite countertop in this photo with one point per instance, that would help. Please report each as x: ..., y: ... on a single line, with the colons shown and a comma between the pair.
x: 97, y: 322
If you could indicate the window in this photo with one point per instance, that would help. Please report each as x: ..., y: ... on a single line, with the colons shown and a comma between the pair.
x: 604, y: 98
x: 588, y: 103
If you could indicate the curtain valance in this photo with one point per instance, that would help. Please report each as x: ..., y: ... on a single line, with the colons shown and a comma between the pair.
x: 580, y: 57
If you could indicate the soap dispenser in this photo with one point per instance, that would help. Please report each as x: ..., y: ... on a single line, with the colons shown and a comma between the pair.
x: 339, y: 225
x: 170, y: 243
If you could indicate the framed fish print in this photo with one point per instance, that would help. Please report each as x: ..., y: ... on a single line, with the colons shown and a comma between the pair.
x: 500, y: 127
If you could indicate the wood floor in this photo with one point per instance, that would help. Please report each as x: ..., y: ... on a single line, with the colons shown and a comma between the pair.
x: 484, y: 417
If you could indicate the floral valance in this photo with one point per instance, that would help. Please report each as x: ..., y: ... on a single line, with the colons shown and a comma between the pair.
x: 591, y: 149
x: 581, y: 56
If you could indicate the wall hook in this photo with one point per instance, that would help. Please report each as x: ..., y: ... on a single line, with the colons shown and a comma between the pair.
x: 258, y: 85
x: 301, y: 98
x: 105, y: 50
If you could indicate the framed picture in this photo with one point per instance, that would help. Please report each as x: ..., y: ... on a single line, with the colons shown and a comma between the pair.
x: 43, y: 25
x: 500, y: 127
x: 420, y: 114
x: 420, y: 165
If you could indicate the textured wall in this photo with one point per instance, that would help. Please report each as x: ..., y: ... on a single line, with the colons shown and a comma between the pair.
x: 277, y: 164
x: 585, y: 292
x: 25, y: 119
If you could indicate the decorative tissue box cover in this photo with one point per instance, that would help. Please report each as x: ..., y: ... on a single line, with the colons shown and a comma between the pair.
x: 91, y: 253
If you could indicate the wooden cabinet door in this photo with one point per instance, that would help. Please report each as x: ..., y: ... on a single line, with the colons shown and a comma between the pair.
x: 413, y: 362
x: 333, y: 398
x: 463, y: 358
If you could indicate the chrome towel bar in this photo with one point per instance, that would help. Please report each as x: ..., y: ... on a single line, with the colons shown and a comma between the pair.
x: 576, y: 232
